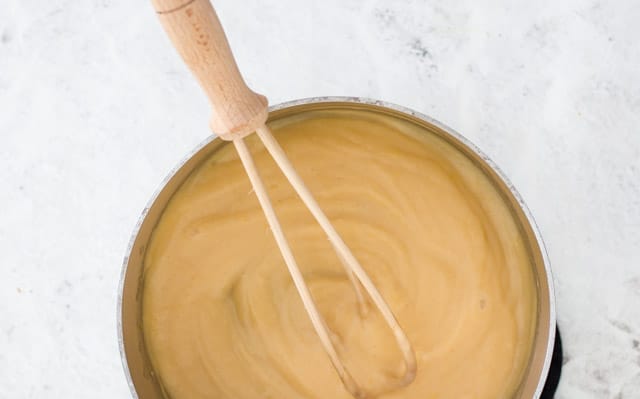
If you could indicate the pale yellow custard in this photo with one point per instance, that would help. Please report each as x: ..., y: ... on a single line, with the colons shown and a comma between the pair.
x: 222, y: 319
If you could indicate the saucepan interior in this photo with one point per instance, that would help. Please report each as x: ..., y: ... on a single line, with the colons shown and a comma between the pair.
x: 138, y: 369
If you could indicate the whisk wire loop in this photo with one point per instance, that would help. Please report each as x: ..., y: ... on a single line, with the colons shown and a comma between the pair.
x: 350, y: 263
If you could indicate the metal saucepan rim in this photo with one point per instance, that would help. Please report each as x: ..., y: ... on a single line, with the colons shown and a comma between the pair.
x: 383, y: 104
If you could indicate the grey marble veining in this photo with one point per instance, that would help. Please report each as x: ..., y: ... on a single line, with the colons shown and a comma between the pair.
x: 95, y: 108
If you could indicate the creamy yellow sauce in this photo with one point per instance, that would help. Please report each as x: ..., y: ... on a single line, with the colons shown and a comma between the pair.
x: 222, y: 318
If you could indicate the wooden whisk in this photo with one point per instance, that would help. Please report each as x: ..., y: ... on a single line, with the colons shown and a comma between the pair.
x: 194, y: 29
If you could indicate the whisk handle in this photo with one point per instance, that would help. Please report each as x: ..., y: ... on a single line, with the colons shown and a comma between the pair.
x: 194, y: 29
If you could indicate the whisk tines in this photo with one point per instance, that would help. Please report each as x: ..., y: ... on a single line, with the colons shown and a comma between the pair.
x: 357, y: 275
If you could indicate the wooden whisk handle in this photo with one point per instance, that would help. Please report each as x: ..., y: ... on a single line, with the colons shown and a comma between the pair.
x: 194, y: 29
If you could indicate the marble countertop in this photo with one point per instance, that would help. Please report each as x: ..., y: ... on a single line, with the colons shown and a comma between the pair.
x: 96, y: 108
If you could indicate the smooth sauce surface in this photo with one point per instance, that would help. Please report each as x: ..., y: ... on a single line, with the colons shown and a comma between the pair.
x: 222, y: 318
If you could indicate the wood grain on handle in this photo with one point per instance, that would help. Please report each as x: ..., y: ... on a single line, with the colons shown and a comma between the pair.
x: 194, y: 29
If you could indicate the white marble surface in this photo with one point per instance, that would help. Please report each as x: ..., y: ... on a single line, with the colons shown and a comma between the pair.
x: 95, y: 109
